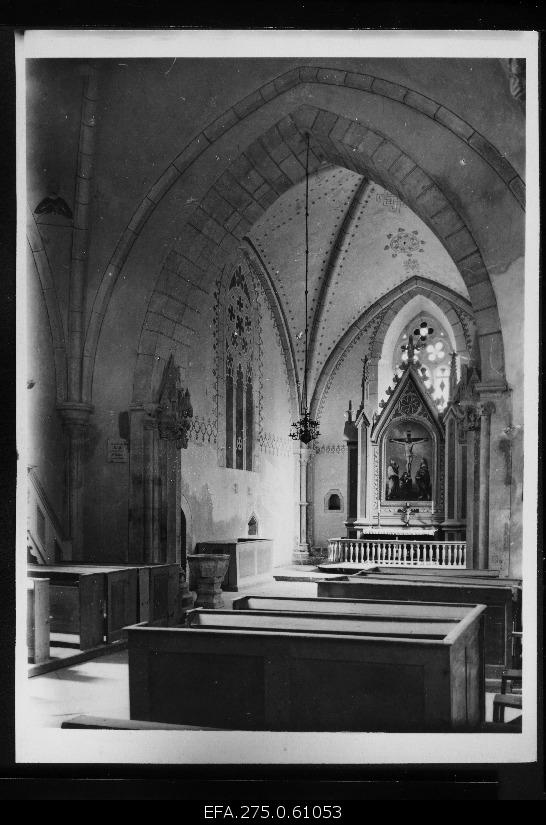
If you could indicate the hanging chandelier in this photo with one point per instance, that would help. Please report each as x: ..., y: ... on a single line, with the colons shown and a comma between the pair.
x: 306, y: 428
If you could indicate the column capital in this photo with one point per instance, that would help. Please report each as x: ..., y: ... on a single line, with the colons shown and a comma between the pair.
x: 492, y: 390
x: 147, y: 409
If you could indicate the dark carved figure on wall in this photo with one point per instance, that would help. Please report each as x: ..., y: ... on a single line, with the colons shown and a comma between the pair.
x: 393, y: 480
x: 471, y: 420
x: 175, y: 411
x: 174, y: 419
x: 365, y: 377
x: 422, y: 478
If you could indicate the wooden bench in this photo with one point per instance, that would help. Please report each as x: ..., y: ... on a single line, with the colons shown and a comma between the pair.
x: 97, y: 601
x: 431, y: 611
x: 157, y: 590
x: 502, y: 598
x: 92, y: 602
x: 38, y: 620
x: 287, y: 671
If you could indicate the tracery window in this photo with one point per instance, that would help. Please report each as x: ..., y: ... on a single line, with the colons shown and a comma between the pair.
x: 433, y: 360
x: 239, y: 371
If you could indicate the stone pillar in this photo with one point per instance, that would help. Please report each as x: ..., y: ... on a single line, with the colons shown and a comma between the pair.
x: 172, y: 496
x: 142, y: 461
x: 470, y: 427
x: 350, y: 434
x: 363, y: 424
x: 498, y: 402
x: 151, y: 483
x: 485, y: 411
x: 75, y: 417
x: 137, y: 416
x: 472, y: 495
x: 301, y: 552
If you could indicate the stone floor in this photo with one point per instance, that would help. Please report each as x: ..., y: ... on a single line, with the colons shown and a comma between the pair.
x: 101, y: 687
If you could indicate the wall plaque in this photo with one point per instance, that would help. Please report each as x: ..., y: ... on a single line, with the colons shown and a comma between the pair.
x: 118, y: 451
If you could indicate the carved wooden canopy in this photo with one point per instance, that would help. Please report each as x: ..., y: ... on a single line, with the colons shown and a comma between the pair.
x: 409, y: 399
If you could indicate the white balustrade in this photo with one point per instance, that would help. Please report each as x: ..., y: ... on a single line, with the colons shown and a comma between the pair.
x: 397, y: 553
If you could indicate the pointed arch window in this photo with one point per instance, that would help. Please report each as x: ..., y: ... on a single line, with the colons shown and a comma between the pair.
x: 433, y: 359
x: 240, y: 341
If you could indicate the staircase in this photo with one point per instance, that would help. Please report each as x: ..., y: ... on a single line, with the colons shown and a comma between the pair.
x: 47, y: 541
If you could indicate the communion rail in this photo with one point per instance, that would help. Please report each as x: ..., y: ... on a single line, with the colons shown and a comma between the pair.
x: 398, y: 553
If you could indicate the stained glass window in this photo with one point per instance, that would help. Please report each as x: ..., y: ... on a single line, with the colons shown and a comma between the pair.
x: 432, y: 358
x: 239, y: 358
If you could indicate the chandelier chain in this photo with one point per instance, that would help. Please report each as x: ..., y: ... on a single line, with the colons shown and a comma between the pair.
x: 306, y: 429
x: 306, y: 272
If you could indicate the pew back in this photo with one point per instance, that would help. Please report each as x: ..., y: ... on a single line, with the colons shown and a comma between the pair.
x: 502, y: 600
x: 244, y: 672
x: 97, y: 601
x: 434, y: 611
x: 276, y: 620
x: 92, y: 602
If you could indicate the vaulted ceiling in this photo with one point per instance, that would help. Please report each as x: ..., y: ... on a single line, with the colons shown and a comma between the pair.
x: 411, y: 176
x: 363, y: 241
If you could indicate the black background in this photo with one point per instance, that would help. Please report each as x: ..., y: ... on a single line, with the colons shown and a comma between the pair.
x: 250, y: 784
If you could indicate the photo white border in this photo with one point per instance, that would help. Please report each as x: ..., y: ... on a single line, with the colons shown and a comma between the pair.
x: 220, y: 748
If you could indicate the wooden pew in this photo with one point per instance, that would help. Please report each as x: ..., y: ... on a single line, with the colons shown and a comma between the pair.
x: 502, y: 598
x: 92, y: 602
x: 157, y: 589
x: 433, y: 624
x: 431, y: 611
x: 238, y: 670
x: 38, y: 620
x: 158, y: 593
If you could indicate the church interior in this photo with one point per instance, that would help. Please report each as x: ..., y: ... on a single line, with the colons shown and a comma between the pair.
x: 274, y: 393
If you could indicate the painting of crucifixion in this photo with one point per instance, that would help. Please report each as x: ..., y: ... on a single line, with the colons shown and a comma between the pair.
x: 408, y: 462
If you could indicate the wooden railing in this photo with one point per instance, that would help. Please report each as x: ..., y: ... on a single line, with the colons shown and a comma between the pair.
x: 43, y: 538
x: 397, y: 553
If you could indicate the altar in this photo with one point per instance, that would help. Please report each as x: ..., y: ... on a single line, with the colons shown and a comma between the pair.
x: 400, y: 470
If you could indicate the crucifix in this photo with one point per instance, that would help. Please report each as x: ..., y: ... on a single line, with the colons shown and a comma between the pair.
x: 406, y: 511
x: 408, y: 443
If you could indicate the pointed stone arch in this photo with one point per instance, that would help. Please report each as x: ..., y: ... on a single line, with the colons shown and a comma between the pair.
x: 51, y: 300
x: 273, y: 162
x: 376, y: 320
